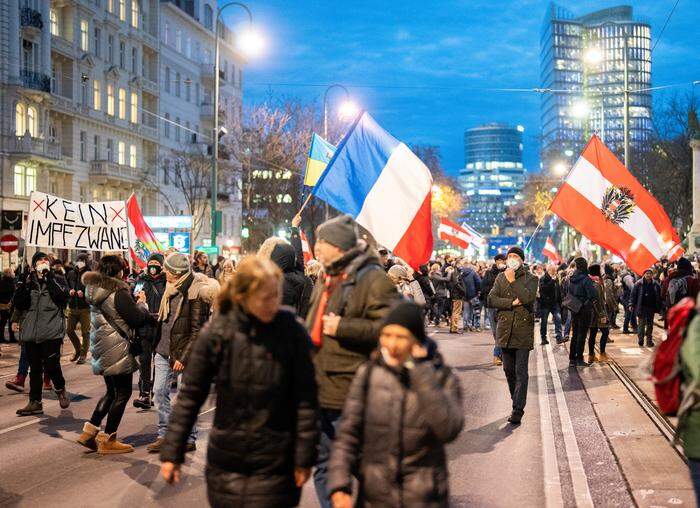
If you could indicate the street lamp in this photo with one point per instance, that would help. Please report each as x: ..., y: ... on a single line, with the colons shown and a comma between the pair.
x: 347, y: 108
x: 249, y: 42
x: 593, y: 55
x: 560, y: 168
x: 580, y: 109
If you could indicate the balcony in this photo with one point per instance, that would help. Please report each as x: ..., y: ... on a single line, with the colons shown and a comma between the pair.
x: 30, y: 18
x: 27, y: 145
x: 63, y: 104
x: 35, y: 80
x: 149, y: 86
x: 107, y: 170
x: 63, y: 46
x: 206, y: 111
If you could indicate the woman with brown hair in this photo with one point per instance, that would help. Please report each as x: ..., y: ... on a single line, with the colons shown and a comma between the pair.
x: 263, y: 441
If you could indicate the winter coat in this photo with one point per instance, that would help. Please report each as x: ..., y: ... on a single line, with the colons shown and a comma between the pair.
x: 628, y: 281
x: 549, y: 292
x: 265, y: 423
x: 637, y: 297
x: 393, y: 430
x: 581, y: 286
x: 297, y: 287
x: 611, y: 294
x: 457, y: 289
x: 472, y: 283
x: 426, y: 286
x: 488, y: 281
x: 689, y: 424
x: 515, y: 326
x: 74, y: 280
x: 600, y: 306
x: 362, y: 299
x: 198, y: 292
x: 154, y: 287
x: 7, y: 290
x: 109, y: 348
x: 39, y: 307
x: 440, y: 283
x: 207, y: 270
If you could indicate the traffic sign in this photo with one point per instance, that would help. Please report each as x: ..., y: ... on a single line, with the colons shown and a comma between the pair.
x: 9, y: 243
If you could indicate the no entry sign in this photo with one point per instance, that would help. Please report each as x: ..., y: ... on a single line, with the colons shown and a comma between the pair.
x: 9, y: 243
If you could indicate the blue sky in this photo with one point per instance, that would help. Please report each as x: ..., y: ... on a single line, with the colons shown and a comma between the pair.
x: 429, y: 68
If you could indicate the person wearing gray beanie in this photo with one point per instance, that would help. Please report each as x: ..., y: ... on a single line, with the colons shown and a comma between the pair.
x: 340, y: 232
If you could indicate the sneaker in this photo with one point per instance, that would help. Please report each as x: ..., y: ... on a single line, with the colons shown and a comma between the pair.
x: 63, y: 399
x: 641, y: 343
x: 626, y: 332
x: 17, y: 384
x: 32, y: 408
x: 572, y: 363
x: 143, y: 402
x: 650, y: 343
x: 610, y: 341
x: 190, y: 447
x: 563, y: 341
x: 154, y: 447
x: 515, y: 418
x: 591, y: 359
x: 581, y: 363
x: 544, y: 342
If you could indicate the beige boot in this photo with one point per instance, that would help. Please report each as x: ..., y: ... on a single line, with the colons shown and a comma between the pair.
x: 108, y: 444
x: 87, y: 438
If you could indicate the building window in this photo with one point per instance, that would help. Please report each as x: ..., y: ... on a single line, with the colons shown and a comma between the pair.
x: 188, y: 47
x: 178, y: 40
x: 134, y: 107
x: 110, y: 150
x: 97, y: 42
x: 177, y: 84
x: 122, y: 54
x: 96, y: 147
x: 166, y: 34
x: 53, y: 16
x: 177, y: 128
x: 25, y: 180
x: 122, y: 104
x: 110, y: 99
x: 110, y: 49
x: 188, y: 89
x: 121, y: 154
x: 96, y: 95
x: 83, y: 146
x: 166, y: 85
x: 134, y: 59
x: 32, y: 122
x: 196, y: 93
x: 132, y: 156
x: 20, y: 120
x: 166, y: 125
x: 122, y: 10
x: 208, y: 17
x: 135, y: 13
x: 83, y: 34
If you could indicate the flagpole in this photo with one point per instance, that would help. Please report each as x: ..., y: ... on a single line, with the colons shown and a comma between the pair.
x: 306, y: 202
x: 535, y: 232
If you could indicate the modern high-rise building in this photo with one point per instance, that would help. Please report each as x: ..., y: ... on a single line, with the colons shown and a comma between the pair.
x: 493, y: 174
x: 582, y: 77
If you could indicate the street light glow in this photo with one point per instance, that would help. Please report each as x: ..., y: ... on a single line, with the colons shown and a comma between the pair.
x: 568, y: 153
x: 250, y: 42
x: 579, y: 109
x: 593, y: 56
x: 348, y: 109
x: 559, y: 168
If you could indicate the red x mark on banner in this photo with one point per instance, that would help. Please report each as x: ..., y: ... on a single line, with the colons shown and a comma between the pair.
x: 38, y: 204
x: 118, y: 213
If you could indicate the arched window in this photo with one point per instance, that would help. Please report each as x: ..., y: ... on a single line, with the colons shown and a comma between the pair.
x: 32, y: 122
x: 20, y: 120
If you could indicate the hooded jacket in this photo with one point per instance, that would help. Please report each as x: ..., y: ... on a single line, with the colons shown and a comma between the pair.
x: 395, y: 424
x: 39, y: 304
x: 109, y: 348
x: 297, y: 288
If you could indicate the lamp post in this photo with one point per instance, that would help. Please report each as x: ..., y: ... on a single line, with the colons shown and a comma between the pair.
x: 215, y: 130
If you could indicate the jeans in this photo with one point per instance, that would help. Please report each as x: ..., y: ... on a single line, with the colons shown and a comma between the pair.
x: 81, y: 316
x: 467, y: 313
x: 330, y: 419
x: 23, y: 367
x: 113, y: 402
x: 440, y: 306
x: 580, y: 324
x: 567, y: 324
x: 476, y: 313
x: 456, y: 316
x: 491, y: 314
x: 630, y: 320
x: 161, y: 393
x: 44, y: 356
x: 695, y: 476
x: 604, y: 334
x: 645, y: 327
x: 145, y: 364
x: 5, y: 321
x: 515, y: 366
x: 556, y: 317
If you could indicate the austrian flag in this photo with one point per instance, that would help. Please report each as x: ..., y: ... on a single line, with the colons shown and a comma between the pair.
x: 454, y: 234
x: 602, y: 200
x: 550, y: 251
x: 305, y: 247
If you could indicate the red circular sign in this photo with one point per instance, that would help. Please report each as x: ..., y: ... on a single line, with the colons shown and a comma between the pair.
x: 9, y: 243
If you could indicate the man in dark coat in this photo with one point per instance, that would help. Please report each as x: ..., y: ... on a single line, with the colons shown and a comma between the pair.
x: 645, y: 302
x: 7, y: 291
x: 498, y: 266
x: 581, y: 287
x: 347, y: 308
x: 513, y: 295
x: 550, y: 303
x: 297, y: 287
x: 78, y: 309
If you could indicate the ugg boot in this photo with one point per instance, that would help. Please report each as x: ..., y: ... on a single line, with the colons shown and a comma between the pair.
x: 87, y: 438
x: 17, y: 384
x: 108, y: 444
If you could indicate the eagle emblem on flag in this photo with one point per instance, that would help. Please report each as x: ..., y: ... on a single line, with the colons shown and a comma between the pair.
x: 618, y: 204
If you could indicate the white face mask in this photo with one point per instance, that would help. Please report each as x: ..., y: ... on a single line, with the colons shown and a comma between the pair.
x: 41, y: 267
x: 80, y: 265
x: 513, y: 263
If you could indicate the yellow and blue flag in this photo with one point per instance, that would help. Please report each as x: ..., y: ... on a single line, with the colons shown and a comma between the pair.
x: 320, y: 154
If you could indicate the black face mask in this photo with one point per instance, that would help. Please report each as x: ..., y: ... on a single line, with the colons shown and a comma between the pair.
x: 154, y: 270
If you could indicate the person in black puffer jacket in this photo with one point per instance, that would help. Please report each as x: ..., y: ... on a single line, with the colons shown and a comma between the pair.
x: 297, y: 288
x: 404, y: 406
x: 263, y: 441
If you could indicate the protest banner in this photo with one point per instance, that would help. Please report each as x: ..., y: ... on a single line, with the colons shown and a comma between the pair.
x: 57, y: 223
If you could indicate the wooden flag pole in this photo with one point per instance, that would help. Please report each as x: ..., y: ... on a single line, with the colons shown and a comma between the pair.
x: 306, y: 202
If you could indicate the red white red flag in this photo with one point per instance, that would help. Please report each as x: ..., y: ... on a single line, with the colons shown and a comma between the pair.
x: 601, y: 199
x: 305, y: 247
x: 453, y: 233
x: 550, y: 251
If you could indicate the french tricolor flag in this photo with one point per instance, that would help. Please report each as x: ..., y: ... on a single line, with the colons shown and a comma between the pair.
x: 385, y: 187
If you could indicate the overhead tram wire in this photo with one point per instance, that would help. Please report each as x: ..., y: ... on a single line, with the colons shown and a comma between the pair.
x: 673, y: 9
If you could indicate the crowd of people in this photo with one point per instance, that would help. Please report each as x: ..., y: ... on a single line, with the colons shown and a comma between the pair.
x: 323, y: 368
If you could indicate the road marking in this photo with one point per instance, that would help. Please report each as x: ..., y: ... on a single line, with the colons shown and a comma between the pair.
x: 582, y: 493
x: 20, y: 425
x: 552, y: 481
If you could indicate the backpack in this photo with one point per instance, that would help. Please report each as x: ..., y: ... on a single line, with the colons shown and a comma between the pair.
x: 666, y: 370
x: 677, y: 290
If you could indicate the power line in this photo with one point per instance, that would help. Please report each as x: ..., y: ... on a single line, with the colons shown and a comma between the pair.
x: 665, y: 24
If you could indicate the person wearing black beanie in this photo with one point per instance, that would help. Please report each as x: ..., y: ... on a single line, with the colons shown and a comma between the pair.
x: 580, y: 298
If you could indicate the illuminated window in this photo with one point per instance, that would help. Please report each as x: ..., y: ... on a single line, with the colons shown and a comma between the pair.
x: 83, y: 34
x: 134, y: 107
x: 25, y: 180
x: 96, y: 95
x: 110, y: 100
x: 122, y: 104
x: 121, y: 153
x: 20, y: 120
x: 32, y: 122
x: 135, y: 13
x: 53, y: 16
x: 122, y: 10
x: 132, y: 156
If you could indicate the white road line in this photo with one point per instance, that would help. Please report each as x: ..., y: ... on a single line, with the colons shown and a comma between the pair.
x: 20, y: 425
x: 582, y: 493
x: 552, y: 481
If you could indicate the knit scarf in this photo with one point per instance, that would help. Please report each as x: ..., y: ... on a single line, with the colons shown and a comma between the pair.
x: 170, y: 291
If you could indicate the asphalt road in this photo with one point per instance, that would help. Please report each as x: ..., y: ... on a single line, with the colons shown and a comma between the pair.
x: 559, y: 456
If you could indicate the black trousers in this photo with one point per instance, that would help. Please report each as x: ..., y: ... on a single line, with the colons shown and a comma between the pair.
x: 580, y: 323
x: 44, y: 356
x: 113, y: 402
x: 145, y: 363
x: 515, y: 366
x: 604, y: 334
x: 5, y: 321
